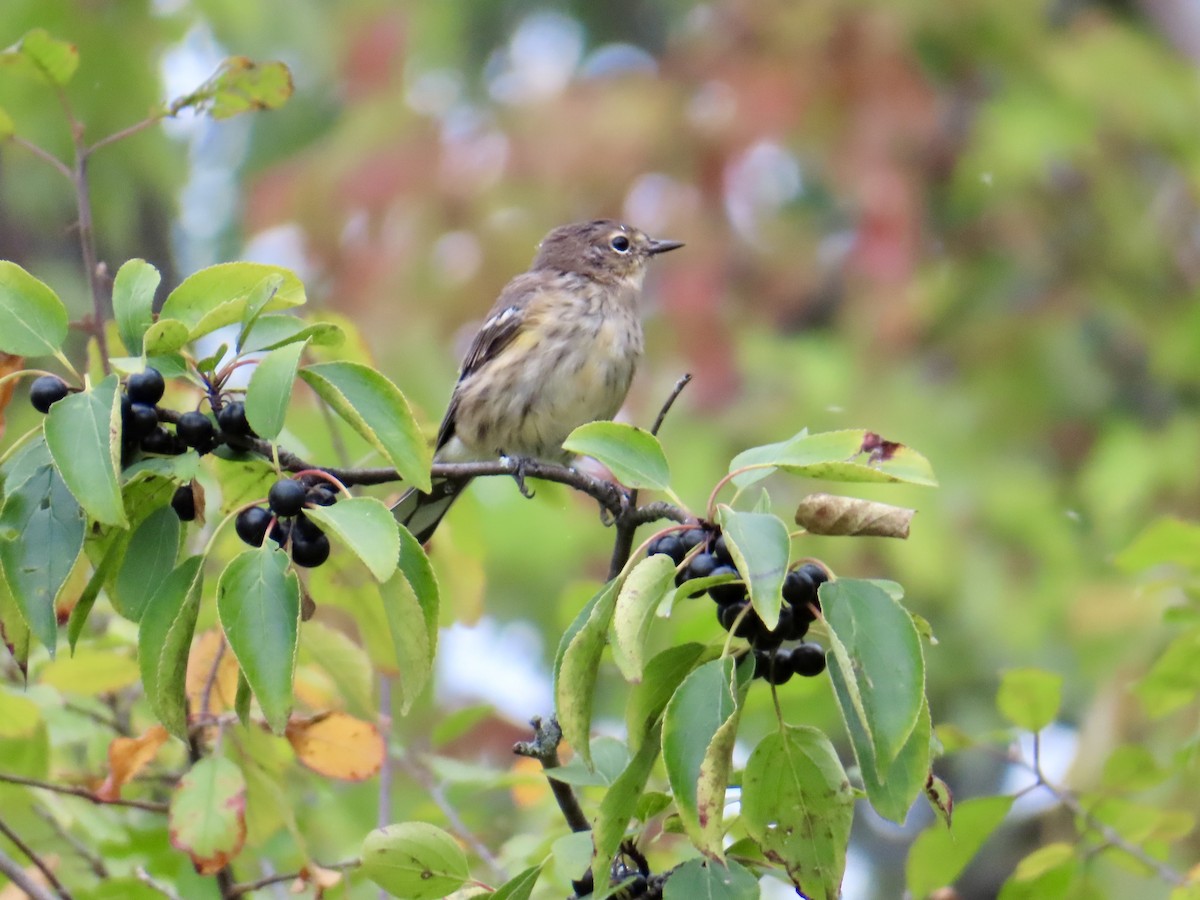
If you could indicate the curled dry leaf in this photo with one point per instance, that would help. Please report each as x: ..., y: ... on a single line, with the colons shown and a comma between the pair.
x: 127, y: 757
x: 337, y: 745
x: 829, y: 514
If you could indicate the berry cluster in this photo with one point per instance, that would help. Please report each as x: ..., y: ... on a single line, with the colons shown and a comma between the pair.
x: 707, y: 555
x: 284, y: 520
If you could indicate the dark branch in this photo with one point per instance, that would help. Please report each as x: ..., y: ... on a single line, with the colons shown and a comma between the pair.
x: 544, y: 748
x: 147, y: 805
x: 46, y: 871
x: 19, y: 877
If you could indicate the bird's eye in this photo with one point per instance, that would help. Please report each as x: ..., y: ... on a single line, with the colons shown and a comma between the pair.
x: 620, y: 243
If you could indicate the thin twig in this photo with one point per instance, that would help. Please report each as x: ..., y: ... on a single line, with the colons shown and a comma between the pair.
x: 126, y: 132
x: 266, y: 881
x: 36, y: 860
x: 437, y: 793
x: 206, y: 695
x: 99, y: 869
x: 147, y: 805
x: 44, y: 155
x: 154, y: 884
x: 684, y: 381
x: 96, y: 717
x: 19, y: 877
x: 544, y: 748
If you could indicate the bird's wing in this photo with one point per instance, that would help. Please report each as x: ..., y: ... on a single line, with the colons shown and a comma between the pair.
x: 504, y: 322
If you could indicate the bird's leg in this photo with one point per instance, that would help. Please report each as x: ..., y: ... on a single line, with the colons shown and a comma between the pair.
x: 518, y: 464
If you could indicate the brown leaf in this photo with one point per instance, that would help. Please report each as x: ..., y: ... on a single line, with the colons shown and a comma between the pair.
x: 8, y: 365
x: 940, y: 797
x: 210, y: 651
x: 314, y: 875
x: 127, y: 757
x: 830, y: 514
x: 337, y: 745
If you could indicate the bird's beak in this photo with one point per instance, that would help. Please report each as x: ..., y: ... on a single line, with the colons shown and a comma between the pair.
x: 657, y: 247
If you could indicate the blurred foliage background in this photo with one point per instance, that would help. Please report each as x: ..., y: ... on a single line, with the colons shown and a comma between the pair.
x: 971, y: 227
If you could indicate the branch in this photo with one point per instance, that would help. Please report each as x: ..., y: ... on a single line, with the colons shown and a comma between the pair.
x: 99, y: 869
x: 36, y: 860
x: 147, y: 805
x: 18, y: 876
x: 44, y: 155
x: 544, y: 748
x: 154, y: 884
x: 126, y: 132
x: 238, y: 890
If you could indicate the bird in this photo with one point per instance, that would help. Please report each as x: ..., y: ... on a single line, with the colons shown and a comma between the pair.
x: 557, y: 350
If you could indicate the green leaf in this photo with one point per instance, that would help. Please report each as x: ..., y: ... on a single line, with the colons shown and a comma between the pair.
x: 1029, y: 698
x: 14, y: 632
x: 1174, y: 679
x: 343, y: 660
x: 41, y: 536
x: 939, y: 855
x: 664, y: 673
x: 1166, y: 541
x: 133, y: 302
x: 699, y: 727
x: 149, y: 559
x: 634, y: 455
x: 759, y: 545
x: 411, y: 641
x: 367, y: 528
x: 892, y: 789
x: 207, y: 820
x: 798, y: 805
x: 271, y: 331
x: 853, y: 455
x: 165, y: 639
x: 375, y: 408
x: 414, y: 860
x: 164, y: 337
x: 1051, y: 871
x: 217, y: 296
x: 7, y: 126
x: 39, y: 55
x: 620, y: 803
x: 256, y: 303
x: 83, y: 434
x: 241, y: 699
x: 878, y: 654
x: 575, y: 675
x: 519, y: 887
x: 699, y: 879
x: 240, y: 85
x: 640, y: 595
x: 33, y: 321
x: 270, y: 390
x: 258, y: 601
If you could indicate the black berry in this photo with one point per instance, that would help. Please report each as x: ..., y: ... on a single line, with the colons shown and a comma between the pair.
x: 196, y: 430
x: 807, y: 659
x: 721, y: 551
x: 184, y: 503
x: 142, y: 419
x: 46, y: 391
x: 750, y: 626
x: 690, y: 538
x: 669, y: 545
x: 766, y: 640
x: 701, y: 566
x: 251, y: 525
x: 162, y: 441
x: 281, y: 531
x: 321, y: 495
x: 232, y: 419
x: 732, y: 592
x: 286, y: 497
x: 304, y: 528
x: 146, y: 386
x: 309, y: 553
x: 772, y: 666
x: 817, y: 573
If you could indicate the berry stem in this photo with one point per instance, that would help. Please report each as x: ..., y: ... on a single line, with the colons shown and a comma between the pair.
x: 711, y: 508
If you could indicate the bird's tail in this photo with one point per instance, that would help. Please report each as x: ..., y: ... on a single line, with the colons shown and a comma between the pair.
x: 421, y: 513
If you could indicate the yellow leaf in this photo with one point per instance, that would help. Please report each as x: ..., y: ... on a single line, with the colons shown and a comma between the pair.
x: 91, y: 672
x: 337, y: 745
x: 209, y: 652
x: 127, y: 757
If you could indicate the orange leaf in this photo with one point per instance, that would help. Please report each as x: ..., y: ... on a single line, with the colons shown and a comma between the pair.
x: 321, y: 879
x: 208, y: 652
x: 8, y: 365
x: 127, y: 757
x: 337, y: 745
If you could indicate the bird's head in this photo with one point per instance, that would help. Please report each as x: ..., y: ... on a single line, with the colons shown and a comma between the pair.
x: 603, y: 249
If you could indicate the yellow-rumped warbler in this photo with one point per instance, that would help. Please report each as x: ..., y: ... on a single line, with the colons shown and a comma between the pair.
x: 557, y: 350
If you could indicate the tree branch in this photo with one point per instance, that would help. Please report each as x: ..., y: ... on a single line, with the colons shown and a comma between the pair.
x: 18, y: 876
x: 36, y: 860
x: 238, y: 890
x: 544, y: 748
x: 99, y: 869
x: 147, y: 805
